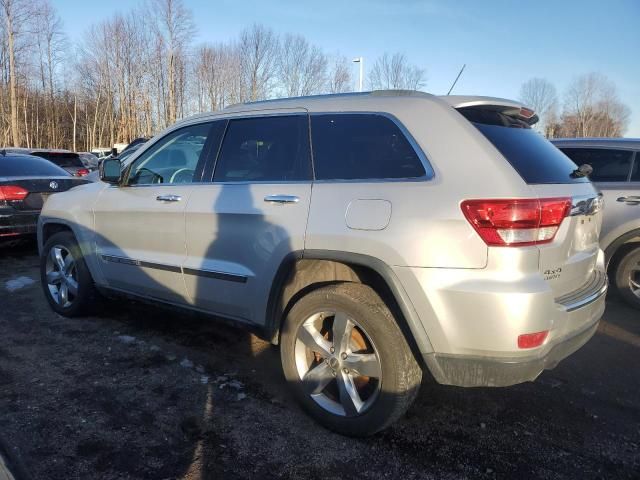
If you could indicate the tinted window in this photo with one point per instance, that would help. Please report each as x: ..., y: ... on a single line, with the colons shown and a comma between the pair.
x: 265, y: 149
x: 360, y: 147
x: 172, y: 159
x: 62, y: 159
x: 608, y: 165
x: 28, y: 166
x: 532, y: 155
x: 635, y: 175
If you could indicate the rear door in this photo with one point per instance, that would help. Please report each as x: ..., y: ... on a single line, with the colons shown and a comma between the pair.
x: 568, y: 262
x: 139, y: 226
x: 250, y: 216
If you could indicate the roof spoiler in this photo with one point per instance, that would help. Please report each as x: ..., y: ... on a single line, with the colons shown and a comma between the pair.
x: 502, y: 105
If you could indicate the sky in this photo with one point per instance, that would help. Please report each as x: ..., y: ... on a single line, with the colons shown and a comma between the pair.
x: 503, y: 43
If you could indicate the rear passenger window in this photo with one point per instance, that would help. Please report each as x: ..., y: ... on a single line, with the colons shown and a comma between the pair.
x: 361, y: 147
x: 262, y: 149
x: 608, y: 165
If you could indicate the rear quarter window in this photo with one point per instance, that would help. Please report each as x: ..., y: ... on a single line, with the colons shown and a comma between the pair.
x: 530, y: 154
x: 362, y: 147
x: 609, y: 165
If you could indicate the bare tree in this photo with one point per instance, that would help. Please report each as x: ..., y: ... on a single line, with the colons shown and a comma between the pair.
x: 339, y: 79
x: 216, y: 73
x: 258, y: 50
x: 395, y: 73
x: 540, y: 95
x: 592, y: 108
x: 173, y: 27
x: 302, y: 68
x: 15, y: 14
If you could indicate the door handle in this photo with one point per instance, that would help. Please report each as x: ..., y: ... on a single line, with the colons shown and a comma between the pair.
x: 281, y: 199
x: 633, y: 200
x: 168, y: 198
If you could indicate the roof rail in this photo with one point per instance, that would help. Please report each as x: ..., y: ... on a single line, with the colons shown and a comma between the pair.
x: 303, y: 97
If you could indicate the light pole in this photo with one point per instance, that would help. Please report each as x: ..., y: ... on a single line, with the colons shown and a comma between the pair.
x: 360, y: 60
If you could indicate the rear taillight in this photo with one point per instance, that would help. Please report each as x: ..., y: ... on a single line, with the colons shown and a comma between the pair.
x: 81, y: 172
x: 12, y: 193
x: 516, y: 222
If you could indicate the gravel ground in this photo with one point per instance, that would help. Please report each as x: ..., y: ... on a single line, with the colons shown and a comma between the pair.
x: 139, y: 392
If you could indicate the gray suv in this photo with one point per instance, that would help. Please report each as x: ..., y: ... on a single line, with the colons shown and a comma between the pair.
x: 373, y: 236
x: 616, y: 173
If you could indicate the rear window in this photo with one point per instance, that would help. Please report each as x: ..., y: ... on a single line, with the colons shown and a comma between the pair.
x: 28, y: 166
x: 533, y: 156
x: 609, y: 165
x: 62, y: 159
x: 360, y: 147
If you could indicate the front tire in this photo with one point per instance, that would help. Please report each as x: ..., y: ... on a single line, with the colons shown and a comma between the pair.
x: 347, y: 361
x: 64, y: 276
x: 627, y: 277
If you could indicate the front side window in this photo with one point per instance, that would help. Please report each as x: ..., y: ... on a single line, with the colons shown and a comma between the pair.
x: 265, y: 149
x: 609, y: 165
x: 173, y: 159
x: 361, y: 147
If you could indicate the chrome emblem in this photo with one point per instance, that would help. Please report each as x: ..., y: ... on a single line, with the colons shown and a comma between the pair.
x: 53, y: 185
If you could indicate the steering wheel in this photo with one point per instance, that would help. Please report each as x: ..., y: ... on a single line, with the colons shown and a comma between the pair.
x: 182, y: 175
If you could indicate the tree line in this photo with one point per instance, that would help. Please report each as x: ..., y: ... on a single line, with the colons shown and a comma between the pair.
x: 137, y: 72
x: 590, y: 107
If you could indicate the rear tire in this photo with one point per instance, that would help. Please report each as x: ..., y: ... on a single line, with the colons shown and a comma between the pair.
x: 66, y: 281
x: 627, y: 277
x: 340, y: 333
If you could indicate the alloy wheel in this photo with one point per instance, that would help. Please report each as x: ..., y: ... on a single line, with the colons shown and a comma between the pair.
x: 634, y: 280
x: 61, y: 276
x: 337, y: 363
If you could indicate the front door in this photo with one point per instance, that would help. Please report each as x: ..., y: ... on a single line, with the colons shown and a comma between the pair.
x: 139, y: 226
x: 253, y: 214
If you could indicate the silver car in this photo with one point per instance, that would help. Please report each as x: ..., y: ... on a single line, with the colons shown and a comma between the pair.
x: 616, y: 173
x: 373, y: 236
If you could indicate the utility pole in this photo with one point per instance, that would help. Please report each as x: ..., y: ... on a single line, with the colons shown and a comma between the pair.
x: 360, y: 60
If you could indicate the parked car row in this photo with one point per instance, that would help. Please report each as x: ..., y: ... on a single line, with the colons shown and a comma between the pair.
x: 372, y: 236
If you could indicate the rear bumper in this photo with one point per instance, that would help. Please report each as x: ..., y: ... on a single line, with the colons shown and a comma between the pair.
x: 18, y: 224
x: 581, y: 313
x: 468, y: 371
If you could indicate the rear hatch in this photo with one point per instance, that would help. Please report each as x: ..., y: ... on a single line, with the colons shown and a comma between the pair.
x: 566, y: 261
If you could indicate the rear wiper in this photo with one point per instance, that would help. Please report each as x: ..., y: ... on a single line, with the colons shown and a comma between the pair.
x: 583, y: 170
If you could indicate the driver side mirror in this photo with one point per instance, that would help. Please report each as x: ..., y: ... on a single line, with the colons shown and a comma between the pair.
x: 110, y: 171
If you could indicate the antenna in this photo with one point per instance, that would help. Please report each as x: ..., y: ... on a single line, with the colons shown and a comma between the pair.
x: 456, y: 80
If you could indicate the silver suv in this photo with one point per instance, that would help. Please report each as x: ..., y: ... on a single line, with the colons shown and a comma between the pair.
x: 372, y: 236
x: 616, y: 173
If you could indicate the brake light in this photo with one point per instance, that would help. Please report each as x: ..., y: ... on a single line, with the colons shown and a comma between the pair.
x: 81, y: 172
x: 516, y: 222
x: 12, y: 193
x: 532, y: 340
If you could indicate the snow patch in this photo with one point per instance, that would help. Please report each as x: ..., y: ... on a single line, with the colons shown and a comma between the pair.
x: 18, y: 283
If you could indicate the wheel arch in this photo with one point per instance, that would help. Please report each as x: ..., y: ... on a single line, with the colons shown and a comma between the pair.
x: 615, y: 247
x: 49, y: 226
x: 302, y: 272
